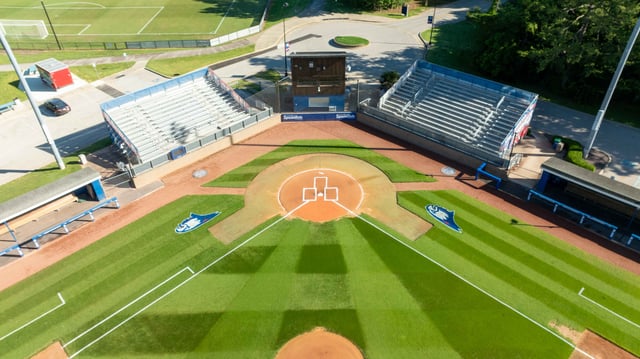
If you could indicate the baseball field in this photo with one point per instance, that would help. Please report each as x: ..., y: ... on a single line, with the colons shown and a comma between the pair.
x: 323, y: 234
x: 120, y: 20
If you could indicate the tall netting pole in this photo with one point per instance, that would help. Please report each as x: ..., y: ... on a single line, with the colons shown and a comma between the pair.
x: 612, y: 86
x: 34, y: 105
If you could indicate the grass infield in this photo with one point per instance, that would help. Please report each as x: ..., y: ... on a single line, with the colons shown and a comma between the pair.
x: 392, y: 297
x: 243, y: 175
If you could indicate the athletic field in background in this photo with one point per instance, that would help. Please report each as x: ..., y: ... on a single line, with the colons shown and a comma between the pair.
x: 497, y: 290
x: 137, y: 20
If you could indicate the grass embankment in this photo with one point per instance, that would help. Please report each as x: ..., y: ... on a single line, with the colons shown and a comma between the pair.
x: 242, y: 176
x: 47, y: 174
x: 179, y: 66
x: 90, y: 73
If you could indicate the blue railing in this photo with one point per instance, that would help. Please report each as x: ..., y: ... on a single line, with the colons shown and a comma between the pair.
x: 583, y: 215
x: 480, y: 171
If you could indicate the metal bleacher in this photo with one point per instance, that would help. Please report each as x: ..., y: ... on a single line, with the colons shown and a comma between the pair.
x: 461, y: 110
x: 161, y: 120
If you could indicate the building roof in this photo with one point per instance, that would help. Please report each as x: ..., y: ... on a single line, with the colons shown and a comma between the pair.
x: 605, y: 186
x: 22, y: 204
x: 51, y: 65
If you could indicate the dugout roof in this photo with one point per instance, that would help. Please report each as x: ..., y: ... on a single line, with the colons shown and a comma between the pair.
x: 605, y: 186
x: 39, y: 197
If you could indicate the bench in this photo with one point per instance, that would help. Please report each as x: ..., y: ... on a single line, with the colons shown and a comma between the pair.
x: 480, y: 171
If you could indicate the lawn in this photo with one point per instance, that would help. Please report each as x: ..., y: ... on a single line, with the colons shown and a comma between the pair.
x: 346, y: 276
x: 138, y: 20
x: 490, y: 292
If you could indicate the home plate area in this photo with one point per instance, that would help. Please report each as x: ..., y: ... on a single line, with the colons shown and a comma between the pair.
x: 321, y: 195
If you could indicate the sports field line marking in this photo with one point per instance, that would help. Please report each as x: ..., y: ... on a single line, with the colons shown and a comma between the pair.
x: 150, y: 20
x: 607, y: 309
x: 224, y: 17
x: 320, y: 170
x: 179, y: 285
x: 469, y: 283
x: 62, y: 302
x: 126, y: 306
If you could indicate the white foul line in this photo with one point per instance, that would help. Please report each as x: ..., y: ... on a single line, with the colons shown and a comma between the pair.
x: 224, y: 17
x: 150, y: 20
x: 469, y: 283
x: 62, y: 302
x: 607, y: 309
x: 126, y: 306
x: 185, y: 281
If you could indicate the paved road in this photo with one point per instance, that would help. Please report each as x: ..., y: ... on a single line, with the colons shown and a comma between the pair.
x: 395, y: 46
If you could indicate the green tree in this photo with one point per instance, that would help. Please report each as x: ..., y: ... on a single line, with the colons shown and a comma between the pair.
x: 388, y: 78
x: 369, y: 5
x: 572, y: 44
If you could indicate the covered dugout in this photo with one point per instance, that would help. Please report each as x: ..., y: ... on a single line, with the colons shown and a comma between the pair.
x: 22, y: 217
x: 467, y: 114
x: 600, y: 203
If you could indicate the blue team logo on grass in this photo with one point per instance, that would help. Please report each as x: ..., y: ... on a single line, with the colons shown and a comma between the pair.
x: 194, y: 221
x: 443, y: 216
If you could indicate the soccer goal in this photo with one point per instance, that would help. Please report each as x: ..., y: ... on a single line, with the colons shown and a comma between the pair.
x: 28, y: 29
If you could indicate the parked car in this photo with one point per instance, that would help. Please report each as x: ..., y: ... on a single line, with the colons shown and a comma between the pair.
x: 57, y: 106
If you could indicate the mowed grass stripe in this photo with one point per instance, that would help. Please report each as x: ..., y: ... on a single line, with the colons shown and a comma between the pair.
x: 240, y: 177
x: 531, y: 247
x: 93, y: 293
x: 108, y: 258
x: 564, y: 253
x: 522, y: 249
x: 570, y: 307
x: 465, y: 306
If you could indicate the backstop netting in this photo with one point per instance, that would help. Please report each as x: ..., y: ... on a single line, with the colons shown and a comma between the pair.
x: 24, y: 29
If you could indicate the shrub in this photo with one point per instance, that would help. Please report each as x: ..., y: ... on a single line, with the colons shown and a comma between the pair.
x: 574, y: 154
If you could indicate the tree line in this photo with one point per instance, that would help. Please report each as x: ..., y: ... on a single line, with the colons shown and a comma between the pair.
x: 571, y: 45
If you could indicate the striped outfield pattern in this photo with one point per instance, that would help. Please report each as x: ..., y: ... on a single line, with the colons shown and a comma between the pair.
x: 488, y: 292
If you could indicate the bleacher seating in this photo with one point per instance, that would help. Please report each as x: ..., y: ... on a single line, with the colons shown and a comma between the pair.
x: 464, y: 112
x: 165, y: 119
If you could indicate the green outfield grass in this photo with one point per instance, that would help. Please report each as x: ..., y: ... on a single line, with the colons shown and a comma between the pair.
x: 126, y: 20
x: 489, y: 292
x: 346, y: 276
x: 241, y: 176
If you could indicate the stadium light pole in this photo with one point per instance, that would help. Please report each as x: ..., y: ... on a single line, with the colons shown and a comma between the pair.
x: 284, y: 33
x: 34, y: 106
x: 612, y: 86
x: 55, y: 36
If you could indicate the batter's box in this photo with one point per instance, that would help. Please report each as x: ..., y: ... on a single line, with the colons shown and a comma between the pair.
x: 331, y: 193
x: 309, y: 194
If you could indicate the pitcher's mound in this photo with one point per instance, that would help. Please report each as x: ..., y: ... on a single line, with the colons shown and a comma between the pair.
x: 319, y: 344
